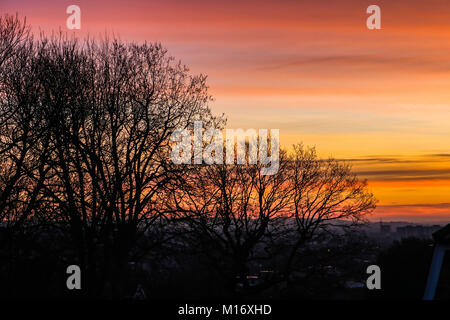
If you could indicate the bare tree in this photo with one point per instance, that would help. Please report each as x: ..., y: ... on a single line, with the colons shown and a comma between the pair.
x: 23, y: 139
x: 236, y: 217
x: 111, y: 108
x: 327, y: 196
x: 230, y: 213
x: 17, y: 114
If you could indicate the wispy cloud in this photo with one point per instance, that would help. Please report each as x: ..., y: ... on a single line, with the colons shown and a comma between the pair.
x: 417, y: 174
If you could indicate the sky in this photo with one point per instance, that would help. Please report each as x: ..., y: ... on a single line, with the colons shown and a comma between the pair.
x: 312, y: 69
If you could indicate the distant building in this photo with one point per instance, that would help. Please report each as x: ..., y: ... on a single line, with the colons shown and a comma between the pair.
x: 385, y: 228
x: 417, y: 231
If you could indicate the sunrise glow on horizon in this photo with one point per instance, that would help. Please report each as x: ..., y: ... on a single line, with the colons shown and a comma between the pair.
x: 377, y: 98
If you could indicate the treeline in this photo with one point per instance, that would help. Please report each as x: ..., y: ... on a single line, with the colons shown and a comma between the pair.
x: 86, y: 175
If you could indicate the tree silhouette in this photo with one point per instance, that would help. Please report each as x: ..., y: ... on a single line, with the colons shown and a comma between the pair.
x: 85, y: 140
x: 230, y: 211
x: 239, y: 218
x: 327, y: 196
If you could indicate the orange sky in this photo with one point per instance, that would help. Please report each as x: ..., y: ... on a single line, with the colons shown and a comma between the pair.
x: 379, y: 98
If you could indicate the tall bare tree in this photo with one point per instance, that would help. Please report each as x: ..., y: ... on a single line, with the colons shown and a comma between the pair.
x: 23, y: 138
x: 235, y: 216
x: 327, y: 196
x: 17, y: 114
x: 231, y: 214
x: 111, y: 109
